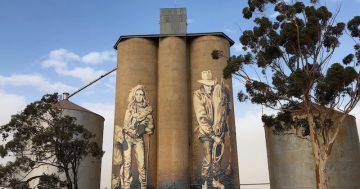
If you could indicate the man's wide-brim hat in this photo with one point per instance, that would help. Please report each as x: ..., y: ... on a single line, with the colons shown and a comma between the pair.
x: 206, y: 78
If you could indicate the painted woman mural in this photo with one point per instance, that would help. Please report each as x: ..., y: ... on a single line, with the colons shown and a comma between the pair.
x: 211, y: 105
x: 138, y: 121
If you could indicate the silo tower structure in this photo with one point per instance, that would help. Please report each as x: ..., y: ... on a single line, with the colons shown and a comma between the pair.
x: 90, y: 167
x: 89, y: 172
x: 174, y: 118
x: 291, y: 163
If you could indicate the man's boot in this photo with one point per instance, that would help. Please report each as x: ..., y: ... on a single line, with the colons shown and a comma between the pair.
x: 204, y: 186
x: 217, y: 184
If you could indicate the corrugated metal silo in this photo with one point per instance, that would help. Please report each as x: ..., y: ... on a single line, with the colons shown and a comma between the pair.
x: 90, y: 168
x: 291, y: 163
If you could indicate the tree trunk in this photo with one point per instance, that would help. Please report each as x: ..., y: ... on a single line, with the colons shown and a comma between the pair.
x: 75, y: 180
x: 68, y: 179
x: 320, y: 155
x: 321, y: 174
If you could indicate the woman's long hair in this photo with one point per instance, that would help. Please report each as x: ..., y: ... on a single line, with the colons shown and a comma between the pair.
x: 132, y: 100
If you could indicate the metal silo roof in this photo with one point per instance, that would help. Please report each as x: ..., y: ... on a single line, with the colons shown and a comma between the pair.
x: 189, y: 35
x: 66, y: 104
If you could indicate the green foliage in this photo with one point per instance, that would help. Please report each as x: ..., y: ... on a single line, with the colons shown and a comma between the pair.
x: 293, y: 52
x: 50, y: 181
x: 335, y: 83
x: 42, y: 135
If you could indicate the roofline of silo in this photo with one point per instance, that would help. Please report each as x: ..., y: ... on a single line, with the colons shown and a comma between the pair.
x: 123, y: 37
x: 68, y: 105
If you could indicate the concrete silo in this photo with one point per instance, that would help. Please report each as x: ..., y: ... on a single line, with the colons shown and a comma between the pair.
x: 90, y: 168
x: 291, y: 163
x: 173, y: 116
x: 137, y: 67
x: 89, y: 172
x: 163, y: 109
x: 200, y: 60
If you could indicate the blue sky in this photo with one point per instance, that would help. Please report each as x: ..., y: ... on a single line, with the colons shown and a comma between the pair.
x: 59, y: 45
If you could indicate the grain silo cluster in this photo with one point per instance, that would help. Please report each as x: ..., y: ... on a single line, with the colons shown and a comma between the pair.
x: 174, y: 118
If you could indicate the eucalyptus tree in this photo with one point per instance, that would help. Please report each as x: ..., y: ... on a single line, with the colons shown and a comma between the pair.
x: 42, y: 136
x: 288, y: 65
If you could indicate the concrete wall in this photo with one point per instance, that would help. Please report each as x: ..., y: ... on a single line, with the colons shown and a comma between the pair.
x: 137, y: 64
x: 173, y: 21
x: 201, y: 60
x: 90, y: 168
x: 89, y: 172
x: 291, y: 165
x: 173, y: 114
x: 169, y: 68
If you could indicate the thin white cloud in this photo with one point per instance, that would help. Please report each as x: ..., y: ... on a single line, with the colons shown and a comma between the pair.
x: 60, y: 60
x: 111, y: 83
x: 34, y: 80
x: 11, y: 104
x: 252, y: 148
x: 99, y: 57
x: 86, y: 74
x: 63, y: 54
x: 252, y: 158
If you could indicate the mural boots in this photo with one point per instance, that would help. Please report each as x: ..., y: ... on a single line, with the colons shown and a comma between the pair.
x: 204, y: 186
x: 217, y: 184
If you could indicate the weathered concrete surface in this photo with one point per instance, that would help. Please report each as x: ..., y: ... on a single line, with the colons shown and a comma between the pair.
x: 137, y: 64
x: 173, y: 21
x: 90, y: 168
x: 173, y: 116
x: 201, y: 60
x: 89, y: 172
x: 291, y: 165
x: 162, y: 65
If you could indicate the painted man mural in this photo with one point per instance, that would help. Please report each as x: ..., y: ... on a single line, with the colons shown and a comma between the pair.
x: 211, y: 105
x: 138, y: 121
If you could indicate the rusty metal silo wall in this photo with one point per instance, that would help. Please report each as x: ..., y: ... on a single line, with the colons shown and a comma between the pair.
x: 291, y: 164
x: 135, y: 114
x: 206, y: 167
x: 173, y: 114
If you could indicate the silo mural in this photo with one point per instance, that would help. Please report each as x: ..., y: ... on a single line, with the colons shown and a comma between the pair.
x: 214, y: 154
x: 134, y: 164
x: 174, y: 119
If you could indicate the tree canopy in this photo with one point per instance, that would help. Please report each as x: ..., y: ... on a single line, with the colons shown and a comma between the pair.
x: 288, y: 66
x: 41, y: 135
